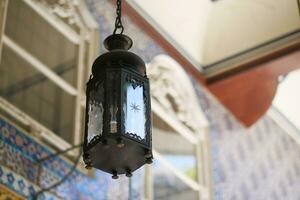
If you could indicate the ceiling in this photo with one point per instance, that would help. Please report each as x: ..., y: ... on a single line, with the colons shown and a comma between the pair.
x: 208, y: 32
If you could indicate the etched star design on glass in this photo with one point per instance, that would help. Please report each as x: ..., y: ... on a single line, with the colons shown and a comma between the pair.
x: 135, y: 107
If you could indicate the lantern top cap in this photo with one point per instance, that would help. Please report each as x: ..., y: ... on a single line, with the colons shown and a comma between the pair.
x: 118, y: 41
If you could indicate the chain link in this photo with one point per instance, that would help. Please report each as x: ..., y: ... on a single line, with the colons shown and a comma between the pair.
x: 118, y: 22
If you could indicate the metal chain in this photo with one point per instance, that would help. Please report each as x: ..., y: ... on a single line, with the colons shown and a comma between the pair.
x: 118, y: 22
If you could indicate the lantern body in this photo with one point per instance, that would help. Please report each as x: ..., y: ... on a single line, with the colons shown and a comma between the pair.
x: 118, y: 113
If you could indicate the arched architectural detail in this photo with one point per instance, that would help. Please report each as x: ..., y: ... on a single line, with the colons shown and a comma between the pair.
x: 174, y: 100
x: 65, y: 10
x: 172, y: 88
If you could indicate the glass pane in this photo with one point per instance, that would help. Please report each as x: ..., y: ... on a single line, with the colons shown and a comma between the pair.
x: 182, y: 155
x: 167, y: 186
x: 185, y: 163
x: 96, y: 111
x: 134, y: 110
x: 113, y: 96
x: 35, y: 95
x: 33, y: 33
x: 25, y: 87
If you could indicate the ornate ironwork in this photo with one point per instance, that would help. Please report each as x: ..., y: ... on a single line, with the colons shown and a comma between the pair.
x: 115, y: 69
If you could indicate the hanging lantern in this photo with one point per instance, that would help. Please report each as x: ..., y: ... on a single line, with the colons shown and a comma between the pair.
x: 118, y: 112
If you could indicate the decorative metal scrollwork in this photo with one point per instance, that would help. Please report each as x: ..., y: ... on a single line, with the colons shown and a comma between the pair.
x: 137, y: 137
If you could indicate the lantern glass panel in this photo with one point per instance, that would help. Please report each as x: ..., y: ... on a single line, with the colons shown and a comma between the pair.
x: 95, y: 112
x: 113, y: 102
x: 134, y: 110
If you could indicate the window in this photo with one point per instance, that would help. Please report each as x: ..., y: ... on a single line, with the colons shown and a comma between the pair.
x: 41, y: 69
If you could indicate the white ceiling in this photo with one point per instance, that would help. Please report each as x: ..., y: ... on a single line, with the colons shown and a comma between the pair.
x: 206, y: 32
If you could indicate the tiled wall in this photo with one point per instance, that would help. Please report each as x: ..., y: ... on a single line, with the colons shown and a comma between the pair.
x: 19, y: 171
x: 259, y: 163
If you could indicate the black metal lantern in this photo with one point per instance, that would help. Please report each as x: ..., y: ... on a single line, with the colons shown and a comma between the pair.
x: 118, y: 112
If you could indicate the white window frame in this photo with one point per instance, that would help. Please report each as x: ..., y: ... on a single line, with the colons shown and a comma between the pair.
x: 199, y: 139
x: 86, y: 39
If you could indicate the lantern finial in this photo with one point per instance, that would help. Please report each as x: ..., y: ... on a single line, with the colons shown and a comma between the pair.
x: 118, y: 41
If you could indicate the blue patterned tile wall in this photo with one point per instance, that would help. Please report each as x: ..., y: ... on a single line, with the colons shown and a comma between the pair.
x: 259, y: 163
x: 19, y: 171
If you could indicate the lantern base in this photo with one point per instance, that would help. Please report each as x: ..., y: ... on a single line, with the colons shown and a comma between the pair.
x: 118, y: 156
